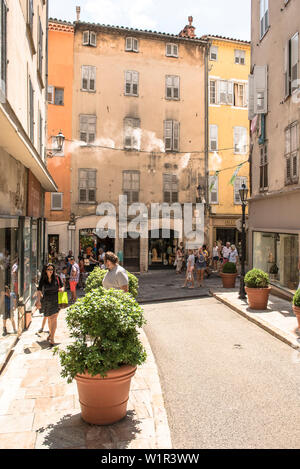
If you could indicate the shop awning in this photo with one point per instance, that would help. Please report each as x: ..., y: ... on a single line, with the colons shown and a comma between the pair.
x: 14, y: 141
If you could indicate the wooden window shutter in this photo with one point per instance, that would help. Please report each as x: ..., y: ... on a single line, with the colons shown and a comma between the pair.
x: 176, y: 88
x: 168, y: 131
x: 135, y: 45
x: 288, y: 169
x: 85, y: 77
x: 92, y: 78
x: 287, y: 82
x: 169, y: 49
x: 294, y: 62
x: 295, y: 165
x: 128, y: 43
x: 213, y: 137
x: 135, y: 83
x: 51, y: 94
x: 56, y: 201
x: 175, y: 136
x: 261, y: 91
x: 93, y: 39
x: 86, y: 38
x: 230, y: 93
x: 251, y: 113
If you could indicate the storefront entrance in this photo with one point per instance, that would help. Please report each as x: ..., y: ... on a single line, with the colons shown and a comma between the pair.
x: 277, y: 254
x: 90, y: 243
x: 132, y: 254
x: 162, y: 251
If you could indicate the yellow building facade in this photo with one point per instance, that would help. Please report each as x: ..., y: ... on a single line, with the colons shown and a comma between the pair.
x: 229, y: 67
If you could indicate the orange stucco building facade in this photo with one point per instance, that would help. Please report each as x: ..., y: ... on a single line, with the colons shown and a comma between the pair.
x: 60, y: 84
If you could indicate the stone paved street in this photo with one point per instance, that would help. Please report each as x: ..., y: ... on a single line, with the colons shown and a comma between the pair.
x: 38, y: 409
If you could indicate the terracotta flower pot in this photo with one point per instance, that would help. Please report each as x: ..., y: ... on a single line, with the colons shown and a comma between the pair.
x: 258, y: 297
x: 103, y: 401
x: 296, y: 310
x: 228, y: 280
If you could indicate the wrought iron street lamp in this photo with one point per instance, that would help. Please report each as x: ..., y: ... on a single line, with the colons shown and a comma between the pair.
x: 60, y: 138
x: 243, y: 195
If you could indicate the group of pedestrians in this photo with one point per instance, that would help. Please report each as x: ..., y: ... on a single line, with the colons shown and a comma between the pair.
x: 52, y: 295
x: 200, y: 261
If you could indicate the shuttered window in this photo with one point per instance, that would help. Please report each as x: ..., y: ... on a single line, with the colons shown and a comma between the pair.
x: 131, y: 185
x: 87, y: 127
x: 170, y: 188
x: 132, y: 133
x: 172, y: 87
x: 240, y: 140
x: 87, y: 185
x: 31, y: 110
x: 131, y: 83
x: 239, y: 57
x: 171, y: 50
x: 40, y: 48
x: 259, y: 90
x: 88, y: 78
x: 55, y: 96
x: 213, y: 55
x: 239, y: 181
x: 264, y: 17
x: 131, y: 44
x: 240, y: 98
x: 30, y: 14
x: 56, y: 201
x: 213, y: 92
x: 214, y: 190
x: 89, y: 38
x: 3, y: 49
x: 171, y: 135
x: 213, y: 137
x: 225, y: 92
x: 264, y: 179
x: 291, y: 66
x: 292, y: 153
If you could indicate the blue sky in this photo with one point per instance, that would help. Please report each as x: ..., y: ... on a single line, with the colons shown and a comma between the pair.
x: 222, y: 17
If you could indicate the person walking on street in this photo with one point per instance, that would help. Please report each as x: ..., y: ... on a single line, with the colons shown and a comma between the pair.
x: 178, y: 261
x: 215, y: 256
x: 47, y: 298
x: 116, y: 276
x: 226, y: 252
x: 10, y: 304
x: 200, y: 267
x: 207, y: 259
x: 74, y: 278
x: 233, y: 254
x: 190, y: 269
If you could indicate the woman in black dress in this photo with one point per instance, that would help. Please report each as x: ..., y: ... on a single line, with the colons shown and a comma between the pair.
x: 49, y: 286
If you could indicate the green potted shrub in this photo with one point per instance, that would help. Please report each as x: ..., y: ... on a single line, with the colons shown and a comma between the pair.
x: 228, y: 275
x: 104, y: 354
x: 296, y: 306
x: 96, y: 277
x: 257, y: 288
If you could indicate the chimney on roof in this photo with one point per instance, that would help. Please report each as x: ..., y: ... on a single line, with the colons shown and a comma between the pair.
x: 189, y: 30
x: 78, y: 9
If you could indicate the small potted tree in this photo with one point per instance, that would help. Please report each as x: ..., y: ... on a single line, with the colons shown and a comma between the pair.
x: 228, y: 275
x: 105, y: 353
x: 296, y: 306
x: 257, y: 288
x: 96, y: 277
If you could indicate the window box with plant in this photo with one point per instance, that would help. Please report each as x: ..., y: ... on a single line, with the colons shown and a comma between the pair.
x: 228, y: 275
x: 296, y: 306
x: 104, y: 354
x: 258, y: 289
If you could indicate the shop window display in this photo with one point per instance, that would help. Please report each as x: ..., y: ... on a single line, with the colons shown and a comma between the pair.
x: 9, y: 274
x: 277, y: 254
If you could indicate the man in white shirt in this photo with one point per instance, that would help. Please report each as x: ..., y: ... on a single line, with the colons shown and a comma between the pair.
x: 226, y: 252
x: 233, y: 255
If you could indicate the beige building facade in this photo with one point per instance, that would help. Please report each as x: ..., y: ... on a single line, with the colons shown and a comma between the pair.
x: 138, y: 130
x: 24, y: 177
x: 274, y: 224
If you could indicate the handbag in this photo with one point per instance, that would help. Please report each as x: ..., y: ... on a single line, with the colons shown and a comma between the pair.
x: 63, y: 298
